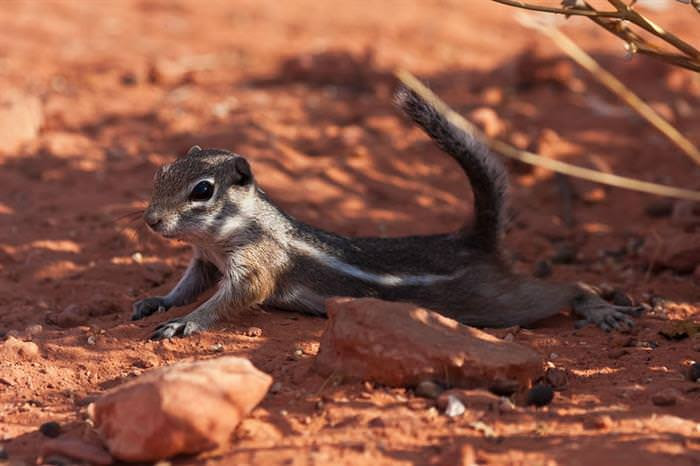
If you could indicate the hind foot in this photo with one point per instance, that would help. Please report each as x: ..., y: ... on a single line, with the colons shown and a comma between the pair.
x: 607, y: 316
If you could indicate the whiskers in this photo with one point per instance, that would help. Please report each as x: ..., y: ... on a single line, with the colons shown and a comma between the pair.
x: 130, y: 217
x: 131, y: 224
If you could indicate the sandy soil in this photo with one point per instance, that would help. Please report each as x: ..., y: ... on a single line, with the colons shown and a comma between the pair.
x: 303, y: 89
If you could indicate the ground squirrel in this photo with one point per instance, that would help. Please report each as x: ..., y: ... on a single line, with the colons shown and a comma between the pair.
x: 254, y: 253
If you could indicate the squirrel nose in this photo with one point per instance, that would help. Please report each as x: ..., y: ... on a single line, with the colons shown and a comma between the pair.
x: 152, y: 220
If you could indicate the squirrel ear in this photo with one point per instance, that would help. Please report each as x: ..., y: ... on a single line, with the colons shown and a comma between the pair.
x: 245, y: 176
x: 192, y: 150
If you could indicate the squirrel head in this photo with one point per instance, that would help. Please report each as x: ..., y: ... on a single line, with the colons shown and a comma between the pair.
x: 198, y: 196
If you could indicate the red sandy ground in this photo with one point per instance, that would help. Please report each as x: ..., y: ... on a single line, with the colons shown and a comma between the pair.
x: 326, y: 143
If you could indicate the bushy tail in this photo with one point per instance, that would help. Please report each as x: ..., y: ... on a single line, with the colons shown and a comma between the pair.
x: 485, y: 172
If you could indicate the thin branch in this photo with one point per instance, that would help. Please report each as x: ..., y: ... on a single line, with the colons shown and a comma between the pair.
x: 616, y: 22
x: 629, y: 14
x: 506, y: 149
x: 612, y: 83
x: 560, y: 11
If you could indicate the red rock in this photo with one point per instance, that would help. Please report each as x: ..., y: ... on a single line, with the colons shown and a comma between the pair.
x: 679, y: 252
x: 20, y: 119
x: 75, y: 449
x: 185, y: 408
x: 16, y: 349
x: 400, y: 344
x: 666, y: 397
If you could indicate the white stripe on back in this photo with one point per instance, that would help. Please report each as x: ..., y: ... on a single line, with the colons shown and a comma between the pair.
x: 356, y: 272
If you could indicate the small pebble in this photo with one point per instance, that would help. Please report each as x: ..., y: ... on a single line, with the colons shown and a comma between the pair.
x: 540, y: 395
x: 50, y: 429
x: 216, y: 348
x: 454, y: 407
x: 598, y: 422
x: 428, y: 389
x: 91, y: 340
x: 137, y: 257
x: 506, y: 405
x: 694, y: 372
x: 253, y: 332
x: 376, y: 422
x: 276, y: 387
x: 543, y: 269
x: 298, y: 353
x: 666, y: 397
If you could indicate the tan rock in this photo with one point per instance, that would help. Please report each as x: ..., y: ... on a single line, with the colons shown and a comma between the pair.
x: 20, y: 119
x: 184, y: 408
x: 16, y: 349
x: 401, y: 344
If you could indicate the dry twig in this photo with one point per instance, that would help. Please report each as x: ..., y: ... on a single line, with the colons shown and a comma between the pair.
x: 612, y: 83
x: 557, y: 166
x: 618, y: 21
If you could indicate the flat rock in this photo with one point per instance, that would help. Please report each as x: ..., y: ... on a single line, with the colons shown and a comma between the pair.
x: 400, y: 344
x: 181, y: 409
x: 21, y: 117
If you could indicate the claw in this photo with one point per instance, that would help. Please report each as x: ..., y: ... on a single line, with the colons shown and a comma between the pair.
x: 148, y: 306
x: 173, y: 328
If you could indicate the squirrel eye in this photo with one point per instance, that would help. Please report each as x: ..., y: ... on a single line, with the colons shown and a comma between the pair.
x: 202, y: 191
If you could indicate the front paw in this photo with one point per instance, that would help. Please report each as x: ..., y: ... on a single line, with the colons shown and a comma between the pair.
x: 148, y: 306
x: 176, y: 328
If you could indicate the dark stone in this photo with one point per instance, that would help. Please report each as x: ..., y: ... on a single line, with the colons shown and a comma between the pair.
x: 540, y: 395
x: 50, y: 429
x: 543, y: 269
